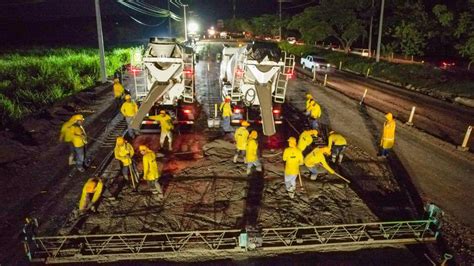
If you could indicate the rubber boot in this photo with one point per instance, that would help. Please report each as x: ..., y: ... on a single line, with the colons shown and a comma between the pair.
x: 340, y: 158
x: 291, y: 192
x: 249, y: 170
x: 333, y: 157
x: 235, y: 158
x: 71, y: 159
x: 314, y: 176
x: 259, y: 168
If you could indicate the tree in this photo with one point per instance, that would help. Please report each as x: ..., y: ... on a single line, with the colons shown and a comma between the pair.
x: 465, y: 33
x: 341, y: 19
x: 411, y: 40
x: 266, y: 24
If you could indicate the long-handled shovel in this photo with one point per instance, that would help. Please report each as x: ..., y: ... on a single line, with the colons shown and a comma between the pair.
x: 343, y: 178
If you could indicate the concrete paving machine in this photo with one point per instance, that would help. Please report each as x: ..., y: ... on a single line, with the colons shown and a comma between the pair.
x: 255, y: 77
x: 165, y: 80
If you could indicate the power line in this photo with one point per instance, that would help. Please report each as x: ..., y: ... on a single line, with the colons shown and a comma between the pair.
x: 301, y: 5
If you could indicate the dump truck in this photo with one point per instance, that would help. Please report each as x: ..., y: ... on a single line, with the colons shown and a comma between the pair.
x: 164, y: 80
x: 255, y: 77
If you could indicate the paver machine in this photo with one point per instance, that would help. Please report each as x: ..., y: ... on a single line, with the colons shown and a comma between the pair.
x: 165, y: 81
x: 255, y: 77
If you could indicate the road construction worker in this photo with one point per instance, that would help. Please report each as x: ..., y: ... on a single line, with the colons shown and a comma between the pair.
x: 337, y: 143
x: 241, y: 136
x: 124, y: 152
x: 167, y: 126
x: 129, y: 109
x: 251, y: 153
x: 90, y: 194
x: 226, y: 110
x: 316, y: 159
x: 65, y: 136
x: 388, y: 135
x: 79, y: 141
x: 314, y: 114
x: 306, y: 138
x: 293, y: 158
x: 150, y: 169
x: 118, y: 92
x: 309, y: 97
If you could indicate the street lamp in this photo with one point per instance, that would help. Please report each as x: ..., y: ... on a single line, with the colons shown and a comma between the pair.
x: 193, y: 27
x: 379, y: 38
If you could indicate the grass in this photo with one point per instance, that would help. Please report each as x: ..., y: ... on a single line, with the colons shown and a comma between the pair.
x: 35, y: 78
x: 418, y: 75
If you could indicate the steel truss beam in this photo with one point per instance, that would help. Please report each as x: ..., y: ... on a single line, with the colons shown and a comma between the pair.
x: 226, y: 243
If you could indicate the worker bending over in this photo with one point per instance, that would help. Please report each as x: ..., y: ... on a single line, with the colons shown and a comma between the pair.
x: 309, y: 97
x: 337, y: 143
x: 118, y: 93
x: 306, y: 138
x: 293, y: 158
x: 226, y: 110
x: 150, y: 170
x: 316, y: 159
x: 388, y: 135
x: 90, y: 194
x: 167, y: 126
x: 241, y: 136
x: 129, y: 109
x: 79, y: 141
x: 251, y: 153
x: 124, y: 152
x: 65, y: 136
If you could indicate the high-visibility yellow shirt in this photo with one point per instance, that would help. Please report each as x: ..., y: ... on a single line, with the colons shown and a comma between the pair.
x: 90, y: 187
x: 165, y: 122
x: 315, y: 111
x: 226, y: 109
x: 65, y: 133
x: 241, y: 135
x: 118, y: 90
x: 336, y: 139
x: 388, y: 135
x: 150, y: 167
x: 293, y: 158
x: 124, y: 153
x: 129, y: 109
x: 78, y: 136
x: 251, y: 150
x: 317, y: 157
x: 305, y: 140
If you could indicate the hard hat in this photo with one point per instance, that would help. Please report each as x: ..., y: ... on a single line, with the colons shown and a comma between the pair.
x: 120, y: 141
x: 142, y: 148
x: 116, y: 80
x: 332, y: 132
x: 389, y: 116
x: 244, y: 123
x: 128, y: 97
x: 253, y: 134
x: 77, y: 117
x: 309, y: 96
x: 325, y: 150
x: 227, y: 97
x: 292, y: 142
x: 162, y: 112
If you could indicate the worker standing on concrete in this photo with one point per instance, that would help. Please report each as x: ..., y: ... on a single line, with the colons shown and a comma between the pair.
x: 293, y: 158
x: 241, y: 137
x: 150, y: 169
x: 226, y: 110
x: 129, y: 109
x: 90, y: 194
x: 316, y: 159
x: 118, y: 93
x: 167, y: 126
x: 79, y: 141
x: 251, y: 153
x: 337, y: 143
x: 124, y: 152
x: 65, y: 136
x: 306, y: 138
x: 388, y: 135
x: 314, y: 114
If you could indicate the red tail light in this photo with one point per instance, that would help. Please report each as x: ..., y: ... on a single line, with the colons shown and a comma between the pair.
x: 276, y: 111
x: 237, y: 110
x: 187, y: 111
x: 188, y: 71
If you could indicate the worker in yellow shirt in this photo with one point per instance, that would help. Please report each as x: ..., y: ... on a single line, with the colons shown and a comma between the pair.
x: 316, y: 159
x: 124, y: 152
x: 337, y: 143
x: 65, y: 136
x: 293, y: 158
x: 129, y: 109
x: 241, y: 136
x: 167, y: 126
x: 251, y: 153
x: 90, y: 194
x: 226, y: 110
x: 118, y: 92
x: 150, y: 170
x: 79, y: 140
x: 314, y: 114
x: 388, y: 135
x: 309, y: 97
x: 306, y: 138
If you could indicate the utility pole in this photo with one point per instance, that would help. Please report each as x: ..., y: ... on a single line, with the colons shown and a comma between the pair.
x: 100, y: 37
x: 169, y: 19
x: 185, y: 24
x: 379, y: 38
x: 279, y: 29
x: 370, y: 29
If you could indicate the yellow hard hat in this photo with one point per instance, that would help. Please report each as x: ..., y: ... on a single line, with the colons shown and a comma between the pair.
x: 325, y: 150
x: 292, y: 142
x: 253, y: 134
x: 116, y: 80
x: 120, y: 141
x: 245, y: 123
x: 128, y: 97
x: 309, y: 96
x: 162, y: 112
x: 142, y: 148
x: 389, y: 116
x: 77, y: 117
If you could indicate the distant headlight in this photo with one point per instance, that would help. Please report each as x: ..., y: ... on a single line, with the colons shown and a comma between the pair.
x: 317, y: 64
x: 328, y: 65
